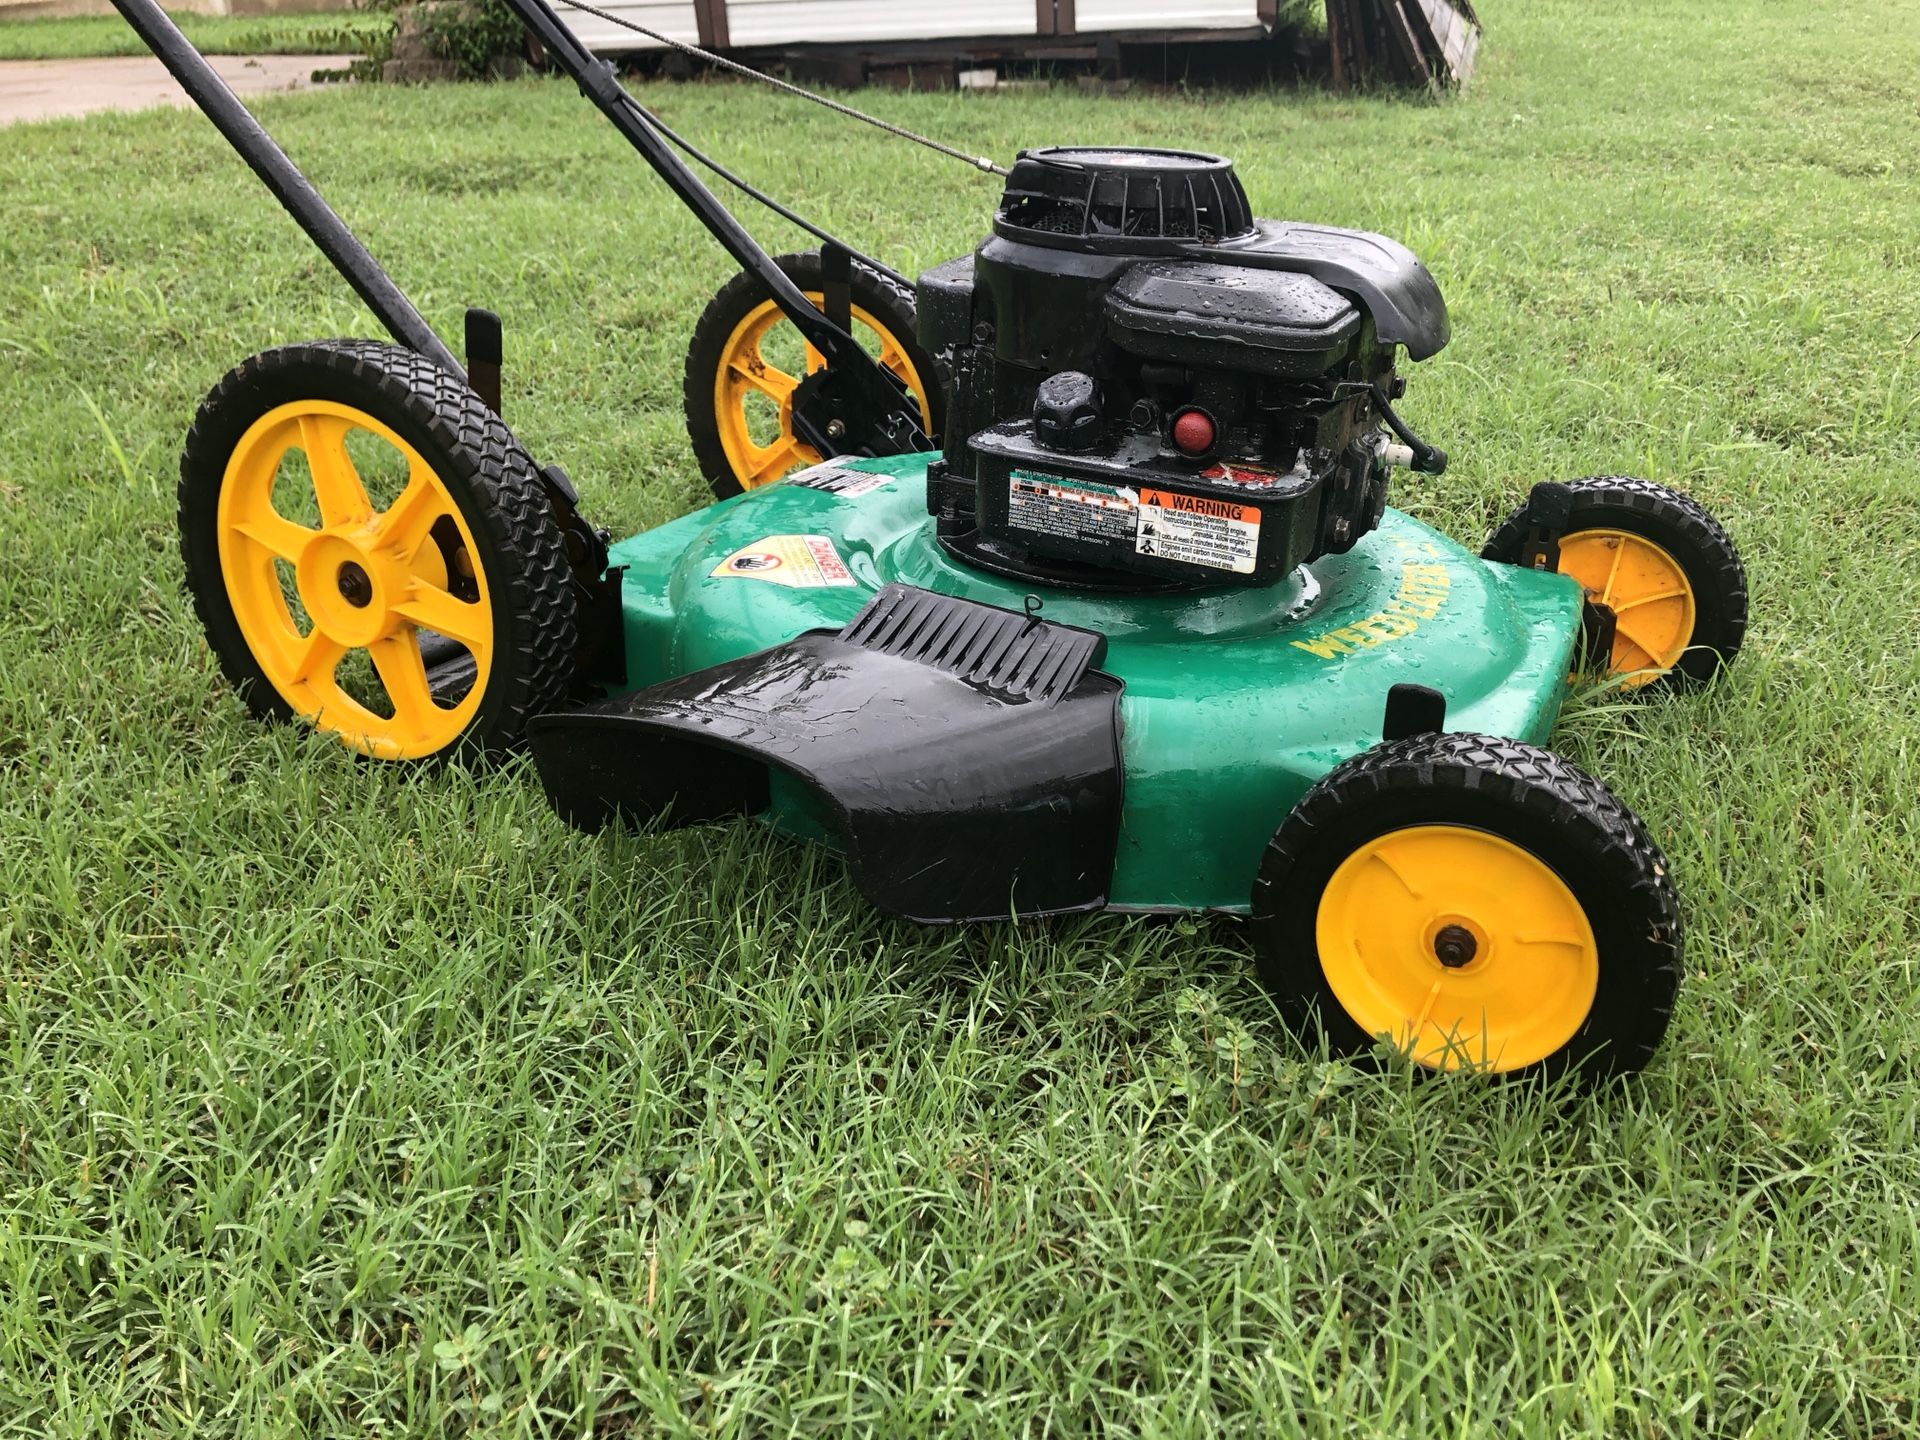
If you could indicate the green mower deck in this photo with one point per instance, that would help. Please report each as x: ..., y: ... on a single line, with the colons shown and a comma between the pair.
x: 1235, y: 701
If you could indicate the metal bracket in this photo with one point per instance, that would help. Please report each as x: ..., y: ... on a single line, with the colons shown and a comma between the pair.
x: 599, y: 657
x: 1597, y: 628
x: 485, y: 354
x: 836, y: 271
x: 602, y: 659
x: 1549, y: 513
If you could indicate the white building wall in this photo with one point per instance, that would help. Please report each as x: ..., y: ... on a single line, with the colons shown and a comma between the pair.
x: 796, y: 22
x: 674, y: 18
x: 786, y: 22
x: 1095, y: 15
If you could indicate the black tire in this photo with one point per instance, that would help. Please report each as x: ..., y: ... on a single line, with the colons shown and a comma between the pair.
x: 1682, y: 527
x: 888, y: 302
x: 491, y: 480
x: 1526, y: 796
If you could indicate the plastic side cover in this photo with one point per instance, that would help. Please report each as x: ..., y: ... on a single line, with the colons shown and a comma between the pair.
x: 966, y: 757
x: 1390, y: 281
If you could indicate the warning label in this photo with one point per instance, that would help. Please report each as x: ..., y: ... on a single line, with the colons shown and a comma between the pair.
x: 1198, y: 531
x: 847, y: 484
x: 1071, y: 509
x: 1188, y: 529
x: 802, y: 562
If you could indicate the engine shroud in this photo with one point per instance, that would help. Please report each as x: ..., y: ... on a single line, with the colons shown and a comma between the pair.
x: 1120, y: 291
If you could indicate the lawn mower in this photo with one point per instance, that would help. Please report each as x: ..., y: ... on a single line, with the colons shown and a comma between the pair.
x: 1059, y: 579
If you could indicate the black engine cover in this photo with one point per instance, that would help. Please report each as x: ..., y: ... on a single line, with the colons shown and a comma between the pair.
x: 1196, y: 312
x: 1140, y: 281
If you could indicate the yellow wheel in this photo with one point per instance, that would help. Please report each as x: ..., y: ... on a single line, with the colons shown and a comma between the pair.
x: 1661, y: 566
x: 1648, y: 593
x: 1462, y: 948
x: 746, y: 359
x: 1471, y: 903
x: 371, y: 552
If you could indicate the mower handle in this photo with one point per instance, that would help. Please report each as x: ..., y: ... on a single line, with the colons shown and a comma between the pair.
x: 291, y: 188
x: 855, y: 406
x: 851, y: 407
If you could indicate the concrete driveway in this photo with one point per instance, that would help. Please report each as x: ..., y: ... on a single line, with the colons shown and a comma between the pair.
x: 44, y: 89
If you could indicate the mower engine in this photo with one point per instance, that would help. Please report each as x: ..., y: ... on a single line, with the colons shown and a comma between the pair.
x: 1151, y: 388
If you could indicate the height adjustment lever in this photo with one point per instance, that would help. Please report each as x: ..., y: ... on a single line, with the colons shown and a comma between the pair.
x: 836, y: 273
x: 486, y: 353
x: 1549, y: 513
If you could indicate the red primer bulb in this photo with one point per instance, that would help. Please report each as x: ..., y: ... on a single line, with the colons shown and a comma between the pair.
x: 1193, y: 432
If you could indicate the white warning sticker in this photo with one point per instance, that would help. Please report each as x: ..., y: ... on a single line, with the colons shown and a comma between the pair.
x: 1187, y: 529
x: 1196, y: 530
x: 802, y: 562
x: 837, y: 480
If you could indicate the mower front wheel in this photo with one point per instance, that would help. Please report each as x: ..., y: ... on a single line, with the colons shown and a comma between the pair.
x: 371, y: 551
x: 1475, y: 903
x: 1662, y: 568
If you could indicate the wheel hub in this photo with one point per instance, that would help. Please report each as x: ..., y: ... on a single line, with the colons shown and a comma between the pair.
x: 1460, y: 946
x: 355, y: 588
x: 348, y: 589
x: 1647, y: 592
x: 369, y: 578
x: 1455, y: 946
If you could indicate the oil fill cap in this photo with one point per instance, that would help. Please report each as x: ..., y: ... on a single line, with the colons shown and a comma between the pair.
x: 1066, y: 412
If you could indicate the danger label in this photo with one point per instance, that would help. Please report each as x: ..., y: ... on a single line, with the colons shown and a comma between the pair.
x: 1196, y: 530
x: 1186, y: 529
x: 802, y: 562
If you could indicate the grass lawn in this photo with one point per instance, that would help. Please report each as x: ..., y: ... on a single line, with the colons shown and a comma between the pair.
x: 323, y: 34
x: 337, y: 1099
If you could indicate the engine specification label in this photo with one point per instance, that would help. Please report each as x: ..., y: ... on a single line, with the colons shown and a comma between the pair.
x: 1188, y: 529
x: 847, y: 484
x: 1071, y: 509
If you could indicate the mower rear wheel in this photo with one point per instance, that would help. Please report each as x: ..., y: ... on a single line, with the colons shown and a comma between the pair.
x: 1474, y: 903
x: 746, y: 358
x: 371, y: 551
x: 1664, y: 567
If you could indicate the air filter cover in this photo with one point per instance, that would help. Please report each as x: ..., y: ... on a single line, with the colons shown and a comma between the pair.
x: 1122, y: 201
x: 1195, y: 312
